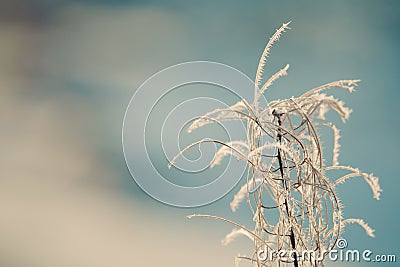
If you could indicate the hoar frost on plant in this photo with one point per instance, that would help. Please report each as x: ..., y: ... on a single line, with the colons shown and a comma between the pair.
x: 297, y: 184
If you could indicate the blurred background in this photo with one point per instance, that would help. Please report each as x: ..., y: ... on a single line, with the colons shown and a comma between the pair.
x: 69, y: 68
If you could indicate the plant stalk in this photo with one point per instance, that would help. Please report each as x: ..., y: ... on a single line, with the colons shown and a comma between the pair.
x: 279, y: 139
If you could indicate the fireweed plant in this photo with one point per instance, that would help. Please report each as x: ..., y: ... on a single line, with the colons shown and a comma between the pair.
x: 294, y: 181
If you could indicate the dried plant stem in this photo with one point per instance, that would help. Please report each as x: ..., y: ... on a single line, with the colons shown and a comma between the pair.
x: 284, y: 184
x: 294, y: 177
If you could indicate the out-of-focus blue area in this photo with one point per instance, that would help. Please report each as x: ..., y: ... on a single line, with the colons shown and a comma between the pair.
x: 72, y: 66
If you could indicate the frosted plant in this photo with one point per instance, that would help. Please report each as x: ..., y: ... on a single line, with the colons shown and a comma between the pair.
x: 292, y: 195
